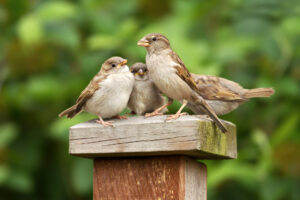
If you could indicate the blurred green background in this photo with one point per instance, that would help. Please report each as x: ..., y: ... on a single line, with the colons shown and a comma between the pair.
x: 49, y: 50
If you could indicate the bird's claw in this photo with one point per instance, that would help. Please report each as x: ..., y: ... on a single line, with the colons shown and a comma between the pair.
x: 105, y: 123
x: 155, y: 113
x: 176, y: 116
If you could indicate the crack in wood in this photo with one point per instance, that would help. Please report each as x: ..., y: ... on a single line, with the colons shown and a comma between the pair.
x: 153, y: 140
x: 107, y: 140
x: 74, y: 139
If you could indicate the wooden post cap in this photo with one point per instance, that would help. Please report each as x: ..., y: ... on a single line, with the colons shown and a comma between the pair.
x: 191, y: 135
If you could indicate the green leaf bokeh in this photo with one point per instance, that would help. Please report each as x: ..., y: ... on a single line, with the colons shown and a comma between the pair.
x: 49, y: 50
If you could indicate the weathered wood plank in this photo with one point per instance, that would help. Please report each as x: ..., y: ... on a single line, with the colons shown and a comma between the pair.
x: 189, y: 135
x: 195, y: 180
x: 144, y: 178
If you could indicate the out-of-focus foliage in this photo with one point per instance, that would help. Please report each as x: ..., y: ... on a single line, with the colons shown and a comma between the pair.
x: 49, y: 50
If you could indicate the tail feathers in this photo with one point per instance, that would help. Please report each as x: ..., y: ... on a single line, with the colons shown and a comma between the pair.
x: 259, y: 92
x: 215, y: 118
x: 70, y: 112
x: 205, y: 107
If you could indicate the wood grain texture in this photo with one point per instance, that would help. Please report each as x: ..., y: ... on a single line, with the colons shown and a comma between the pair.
x: 195, y: 180
x: 145, y: 178
x: 192, y: 135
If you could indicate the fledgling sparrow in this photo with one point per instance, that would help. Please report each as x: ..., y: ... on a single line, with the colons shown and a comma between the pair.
x: 145, y: 96
x: 224, y: 95
x: 171, y: 76
x: 107, y: 93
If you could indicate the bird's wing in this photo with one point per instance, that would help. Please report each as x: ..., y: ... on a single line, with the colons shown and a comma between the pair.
x: 208, y: 87
x: 88, y: 92
x: 182, y: 71
x: 213, y: 88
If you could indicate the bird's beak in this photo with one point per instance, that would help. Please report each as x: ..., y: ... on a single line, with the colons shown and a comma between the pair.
x: 124, y: 62
x: 144, y: 43
x: 140, y: 72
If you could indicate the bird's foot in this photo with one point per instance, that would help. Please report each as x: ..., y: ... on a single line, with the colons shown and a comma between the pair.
x: 105, y: 123
x: 176, y: 116
x: 121, y: 117
x: 154, y: 113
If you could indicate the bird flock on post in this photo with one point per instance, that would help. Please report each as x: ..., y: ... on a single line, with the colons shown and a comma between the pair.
x: 140, y: 88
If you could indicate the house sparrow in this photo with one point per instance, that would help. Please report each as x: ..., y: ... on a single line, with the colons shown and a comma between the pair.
x: 107, y: 94
x: 145, y: 96
x: 170, y: 75
x: 224, y: 95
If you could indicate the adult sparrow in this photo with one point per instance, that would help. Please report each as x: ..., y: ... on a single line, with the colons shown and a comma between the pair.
x: 171, y: 76
x: 145, y: 96
x: 224, y: 95
x: 107, y: 94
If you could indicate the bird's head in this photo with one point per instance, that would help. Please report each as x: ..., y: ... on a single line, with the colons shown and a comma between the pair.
x: 140, y: 71
x: 154, y: 42
x: 114, y: 65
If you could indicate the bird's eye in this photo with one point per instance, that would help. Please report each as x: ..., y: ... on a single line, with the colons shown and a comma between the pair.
x: 113, y: 65
x: 154, y: 39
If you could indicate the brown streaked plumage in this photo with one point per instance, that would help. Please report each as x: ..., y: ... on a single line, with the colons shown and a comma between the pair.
x: 170, y: 75
x: 107, y: 94
x: 145, y: 96
x: 224, y: 95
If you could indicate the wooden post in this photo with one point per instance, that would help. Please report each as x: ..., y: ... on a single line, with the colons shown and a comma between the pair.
x: 147, y: 159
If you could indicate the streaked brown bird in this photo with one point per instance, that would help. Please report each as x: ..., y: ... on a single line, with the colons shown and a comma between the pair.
x: 224, y: 95
x: 172, y: 78
x: 145, y: 96
x: 107, y: 93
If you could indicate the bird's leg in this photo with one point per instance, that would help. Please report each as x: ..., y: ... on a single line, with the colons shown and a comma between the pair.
x: 104, y: 123
x: 158, y: 110
x: 178, y: 113
x: 121, y: 117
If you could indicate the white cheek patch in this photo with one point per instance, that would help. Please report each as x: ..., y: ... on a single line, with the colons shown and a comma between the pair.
x: 124, y: 68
